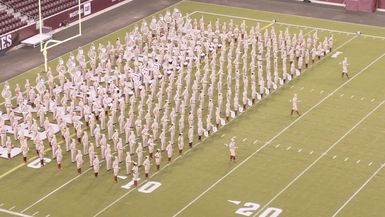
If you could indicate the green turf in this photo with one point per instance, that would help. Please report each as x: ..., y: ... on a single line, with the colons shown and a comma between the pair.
x: 195, y: 181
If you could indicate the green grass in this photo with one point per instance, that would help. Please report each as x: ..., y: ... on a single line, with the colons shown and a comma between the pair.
x: 203, y: 179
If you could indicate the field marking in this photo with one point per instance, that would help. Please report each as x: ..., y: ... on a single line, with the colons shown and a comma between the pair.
x: 13, y: 213
x: 358, y: 191
x: 2, y: 204
x: 320, y: 157
x: 346, y: 159
x: 35, y: 213
x: 292, y: 15
x: 33, y: 158
x: 98, y: 39
x: 289, y: 24
x: 13, y: 207
x: 140, y: 184
x: 89, y: 43
x: 243, y: 140
x: 282, y: 131
x: 57, y: 189
x: 255, y: 142
x: 62, y: 186
x: 342, y: 95
x: 300, y: 150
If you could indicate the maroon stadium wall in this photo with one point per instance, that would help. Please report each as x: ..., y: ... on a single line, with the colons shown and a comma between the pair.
x: 381, y: 4
x: 58, y: 20
x: 360, y: 5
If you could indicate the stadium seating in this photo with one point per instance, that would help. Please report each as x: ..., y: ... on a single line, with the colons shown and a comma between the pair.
x: 49, y: 7
x: 8, y: 22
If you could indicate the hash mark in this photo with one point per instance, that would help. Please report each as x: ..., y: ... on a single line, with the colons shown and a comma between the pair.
x: 12, y: 208
x: 288, y: 148
x: 362, y: 98
x: 2, y: 204
x: 244, y: 139
x: 299, y: 150
x: 334, y: 157
x: 372, y: 100
x: 223, y: 135
x: 352, y: 97
x: 302, y: 88
x: 322, y: 91
x: 311, y: 90
x: 370, y: 164
x: 292, y: 86
x: 311, y: 152
x: 346, y: 159
x: 35, y: 213
x: 358, y: 161
x: 255, y: 141
x: 277, y: 145
x: 342, y: 95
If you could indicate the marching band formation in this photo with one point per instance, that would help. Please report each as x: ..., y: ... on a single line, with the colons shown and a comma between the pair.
x: 169, y: 83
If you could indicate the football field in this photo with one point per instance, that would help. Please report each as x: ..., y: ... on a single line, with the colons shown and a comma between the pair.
x: 327, y: 162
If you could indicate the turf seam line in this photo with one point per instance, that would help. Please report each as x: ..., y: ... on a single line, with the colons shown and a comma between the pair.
x: 358, y: 191
x: 282, y: 131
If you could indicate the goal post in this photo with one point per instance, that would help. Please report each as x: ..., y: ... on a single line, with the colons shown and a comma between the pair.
x: 45, y: 46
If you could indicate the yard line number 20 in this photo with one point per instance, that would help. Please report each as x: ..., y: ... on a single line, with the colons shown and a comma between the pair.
x: 250, y: 208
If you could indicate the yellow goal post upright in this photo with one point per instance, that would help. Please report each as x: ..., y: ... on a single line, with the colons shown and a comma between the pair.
x: 44, y: 46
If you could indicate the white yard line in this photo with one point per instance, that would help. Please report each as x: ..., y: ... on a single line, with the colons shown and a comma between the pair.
x: 13, y: 213
x: 62, y: 186
x: 289, y: 24
x: 320, y: 157
x: 54, y: 191
x: 279, y: 133
x: 358, y: 191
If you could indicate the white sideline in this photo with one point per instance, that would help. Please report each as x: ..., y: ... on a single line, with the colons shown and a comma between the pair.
x: 355, y: 193
x: 319, y: 158
x: 289, y: 24
x: 277, y: 135
x: 13, y: 213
